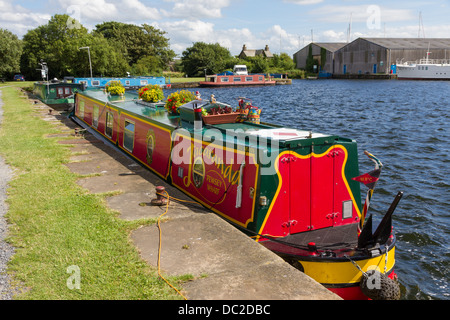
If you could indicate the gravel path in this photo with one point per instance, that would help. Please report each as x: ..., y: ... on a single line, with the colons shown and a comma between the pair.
x: 6, y: 250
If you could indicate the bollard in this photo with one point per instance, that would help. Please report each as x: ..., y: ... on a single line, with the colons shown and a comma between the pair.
x: 161, y: 199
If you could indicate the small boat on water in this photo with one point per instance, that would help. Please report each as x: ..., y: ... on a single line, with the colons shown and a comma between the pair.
x: 296, y: 192
x: 424, y: 69
x: 230, y: 79
x: 57, y: 93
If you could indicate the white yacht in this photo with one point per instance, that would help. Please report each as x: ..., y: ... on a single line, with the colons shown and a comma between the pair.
x: 424, y: 69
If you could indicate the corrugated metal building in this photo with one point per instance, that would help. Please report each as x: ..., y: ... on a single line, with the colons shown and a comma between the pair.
x: 377, y: 55
x: 319, y: 50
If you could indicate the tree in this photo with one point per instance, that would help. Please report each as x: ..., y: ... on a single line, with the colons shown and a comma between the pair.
x: 212, y: 57
x: 137, y: 42
x: 58, y: 43
x: 148, y: 65
x: 258, y: 64
x: 10, y: 52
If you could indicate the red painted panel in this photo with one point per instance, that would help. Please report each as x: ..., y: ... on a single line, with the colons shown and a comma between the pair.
x: 322, y: 176
x: 341, y: 192
x: 300, y: 201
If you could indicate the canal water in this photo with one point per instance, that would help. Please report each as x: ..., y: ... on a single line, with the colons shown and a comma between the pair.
x: 406, y: 124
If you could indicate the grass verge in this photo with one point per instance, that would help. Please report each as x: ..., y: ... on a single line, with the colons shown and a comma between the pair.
x: 58, y: 229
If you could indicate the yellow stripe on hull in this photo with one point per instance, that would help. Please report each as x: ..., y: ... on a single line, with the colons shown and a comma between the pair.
x: 334, y: 273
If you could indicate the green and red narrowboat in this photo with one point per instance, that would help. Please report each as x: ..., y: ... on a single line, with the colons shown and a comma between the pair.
x: 57, y: 93
x: 295, y: 192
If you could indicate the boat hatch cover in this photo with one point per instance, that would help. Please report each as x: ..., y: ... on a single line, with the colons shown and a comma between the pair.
x: 288, y: 136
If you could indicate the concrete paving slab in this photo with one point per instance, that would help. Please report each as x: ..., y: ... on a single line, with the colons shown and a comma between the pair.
x: 137, y: 205
x: 226, y: 263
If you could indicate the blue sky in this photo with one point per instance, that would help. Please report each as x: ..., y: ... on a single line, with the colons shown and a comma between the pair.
x: 284, y: 25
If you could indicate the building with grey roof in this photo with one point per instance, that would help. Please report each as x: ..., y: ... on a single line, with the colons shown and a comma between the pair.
x: 323, y: 52
x: 372, y: 55
x: 380, y: 55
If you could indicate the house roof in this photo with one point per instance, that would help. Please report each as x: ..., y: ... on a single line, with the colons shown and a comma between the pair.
x: 258, y: 52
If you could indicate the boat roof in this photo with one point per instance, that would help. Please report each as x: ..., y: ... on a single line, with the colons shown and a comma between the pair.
x: 157, y: 113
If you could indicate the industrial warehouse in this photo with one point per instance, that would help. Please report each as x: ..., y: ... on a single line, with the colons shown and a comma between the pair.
x: 371, y: 56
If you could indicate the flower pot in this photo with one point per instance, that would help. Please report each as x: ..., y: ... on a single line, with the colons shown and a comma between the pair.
x: 221, y: 118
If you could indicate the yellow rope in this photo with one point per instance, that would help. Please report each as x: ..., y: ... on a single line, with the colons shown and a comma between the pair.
x: 170, y: 197
x: 159, y: 250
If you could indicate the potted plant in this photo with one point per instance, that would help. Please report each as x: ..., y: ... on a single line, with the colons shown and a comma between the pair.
x: 177, y: 99
x: 115, y: 88
x: 151, y: 93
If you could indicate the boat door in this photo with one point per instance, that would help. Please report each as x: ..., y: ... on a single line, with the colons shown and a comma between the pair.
x: 312, y: 189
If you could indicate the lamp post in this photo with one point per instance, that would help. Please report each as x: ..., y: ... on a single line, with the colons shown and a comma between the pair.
x: 89, y: 53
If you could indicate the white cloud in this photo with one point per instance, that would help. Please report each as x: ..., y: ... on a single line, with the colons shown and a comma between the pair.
x: 18, y: 19
x: 304, y: 2
x: 361, y: 13
x: 196, y: 9
x: 108, y: 10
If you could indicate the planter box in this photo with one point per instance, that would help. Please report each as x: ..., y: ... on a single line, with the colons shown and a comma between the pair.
x: 221, y: 118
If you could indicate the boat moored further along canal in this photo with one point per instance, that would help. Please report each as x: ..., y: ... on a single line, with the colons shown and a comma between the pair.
x: 228, y: 79
x: 57, y: 93
x: 296, y: 192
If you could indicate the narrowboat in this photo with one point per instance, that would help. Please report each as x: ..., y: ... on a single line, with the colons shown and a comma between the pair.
x: 57, y: 93
x: 127, y: 82
x: 226, y: 79
x: 296, y: 192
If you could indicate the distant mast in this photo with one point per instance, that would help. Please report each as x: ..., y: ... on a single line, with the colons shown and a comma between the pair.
x: 421, y: 28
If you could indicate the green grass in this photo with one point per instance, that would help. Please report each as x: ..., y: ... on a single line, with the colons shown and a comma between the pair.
x: 182, y: 80
x: 56, y: 224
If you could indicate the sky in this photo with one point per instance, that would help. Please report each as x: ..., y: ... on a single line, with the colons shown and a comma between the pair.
x: 284, y: 25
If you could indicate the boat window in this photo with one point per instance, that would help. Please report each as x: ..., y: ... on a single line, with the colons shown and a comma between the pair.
x: 109, y: 124
x: 128, y: 136
x: 95, y: 82
x: 144, y: 82
x: 224, y: 79
x: 95, y: 117
x: 81, y: 109
x: 347, y: 209
x: 127, y: 82
x: 67, y: 91
x: 60, y: 91
x: 249, y: 79
x: 150, y: 145
x: 198, y: 172
x: 236, y: 79
x: 260, y: 78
